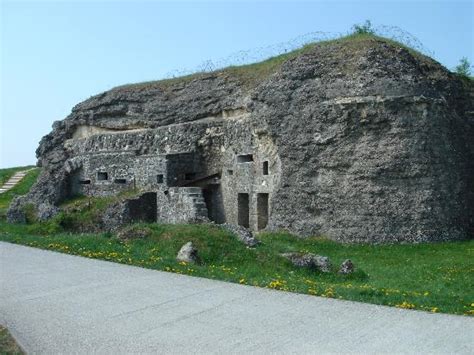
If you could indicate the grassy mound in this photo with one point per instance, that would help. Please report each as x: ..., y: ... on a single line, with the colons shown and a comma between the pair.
x: 252, y: 74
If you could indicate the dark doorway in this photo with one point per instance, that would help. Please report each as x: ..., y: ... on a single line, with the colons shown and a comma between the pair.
x: 243, y: 210
x: 214, y: 203
x: 143, y: 208
x: 262, y: 210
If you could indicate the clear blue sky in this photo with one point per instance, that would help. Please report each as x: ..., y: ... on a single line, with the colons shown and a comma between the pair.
x: 56, y: 54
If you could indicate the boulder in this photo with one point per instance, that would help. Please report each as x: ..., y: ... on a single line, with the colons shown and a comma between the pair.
x: 309, y: 260
x: 243, y: 234
x: 322, y: 263
x: 188, y: 253
x: 133, y: 233
x: 46, y: 211
x: 347, y: 267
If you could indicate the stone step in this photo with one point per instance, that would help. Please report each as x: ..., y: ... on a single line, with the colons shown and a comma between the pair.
x: 191, y: 190
x: 14, y: 180
x: 194, y: 194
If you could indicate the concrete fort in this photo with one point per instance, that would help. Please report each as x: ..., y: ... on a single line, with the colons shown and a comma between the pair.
x: 365, y: 142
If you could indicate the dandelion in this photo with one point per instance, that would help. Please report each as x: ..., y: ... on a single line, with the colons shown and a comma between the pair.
x: 405, y: 305
x: 276, y: 284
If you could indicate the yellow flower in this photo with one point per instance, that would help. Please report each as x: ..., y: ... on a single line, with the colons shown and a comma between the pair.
x: 405, y: 305
x: 241, y: 281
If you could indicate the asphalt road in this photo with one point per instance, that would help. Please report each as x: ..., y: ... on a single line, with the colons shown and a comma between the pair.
x: 56, y: 303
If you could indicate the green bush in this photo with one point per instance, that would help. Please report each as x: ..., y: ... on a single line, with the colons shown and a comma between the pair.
x: 464, y: 68
x: 363, y: 29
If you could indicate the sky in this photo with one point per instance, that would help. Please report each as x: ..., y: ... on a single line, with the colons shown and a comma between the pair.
x: 56, y: 54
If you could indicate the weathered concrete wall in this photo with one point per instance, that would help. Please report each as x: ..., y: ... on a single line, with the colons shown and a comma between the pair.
x: 365, y: 142
x: 181, y: 205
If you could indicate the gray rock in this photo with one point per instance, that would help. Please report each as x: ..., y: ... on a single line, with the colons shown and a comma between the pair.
x: 347, y: 267
x: 309, y: 260
x: 134, y: 232
x: 322, y: 263
x: 242, y: 234
x: 15, y: 213
x: 46, y: 211
x: 188, y: 254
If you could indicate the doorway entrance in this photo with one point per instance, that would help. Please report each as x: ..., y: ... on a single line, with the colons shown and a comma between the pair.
x: 243, y: 210
x: 262, y: 211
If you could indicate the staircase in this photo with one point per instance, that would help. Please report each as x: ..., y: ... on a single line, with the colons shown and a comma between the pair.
x: 195, y: 196
x: 15, y: 179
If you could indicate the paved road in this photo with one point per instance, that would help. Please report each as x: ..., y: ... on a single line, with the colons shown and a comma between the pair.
x: 57, y: 303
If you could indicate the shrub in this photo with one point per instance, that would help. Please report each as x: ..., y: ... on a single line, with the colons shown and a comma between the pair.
x: 464, y: 68
x: 363, y: 29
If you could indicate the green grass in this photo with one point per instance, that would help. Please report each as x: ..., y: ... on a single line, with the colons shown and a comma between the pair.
x: 431, y: 277
x: 7, y: 173
x: 8, y: 346
x: 251, y: 75
x: 20, y: 189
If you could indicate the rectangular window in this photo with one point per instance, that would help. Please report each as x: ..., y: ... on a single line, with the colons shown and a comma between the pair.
x: 243, y: 210
x: 244, y: 158
x: 159, y: 178
x: 102, y: 175
x: 84, y: 182
x: 120, y: 181
x: 230, y: 172
x: 265, y: 168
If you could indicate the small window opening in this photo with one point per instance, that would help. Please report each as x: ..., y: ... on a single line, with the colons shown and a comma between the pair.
x: 84, y: 182
x: 159, y: 178
x: 230, y: 172
x: 245, y: 158
x: 101, y: 176
x: 189, y: 176
x: 120, y: 181
x: 265, y: 168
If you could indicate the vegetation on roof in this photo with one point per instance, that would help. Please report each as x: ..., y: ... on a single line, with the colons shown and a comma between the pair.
x: 251, y: 74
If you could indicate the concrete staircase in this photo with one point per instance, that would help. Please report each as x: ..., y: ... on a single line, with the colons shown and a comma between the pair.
x: 199, y: 205
x: 15, y: 179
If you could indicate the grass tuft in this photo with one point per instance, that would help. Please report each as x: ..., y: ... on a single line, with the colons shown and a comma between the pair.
x: 8, y: 345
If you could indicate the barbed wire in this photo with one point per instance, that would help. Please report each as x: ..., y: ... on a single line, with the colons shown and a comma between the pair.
x: 259, y: 54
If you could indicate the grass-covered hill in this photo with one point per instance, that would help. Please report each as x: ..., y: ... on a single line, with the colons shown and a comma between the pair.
x: 253, y: 74
x: 429, y: 277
